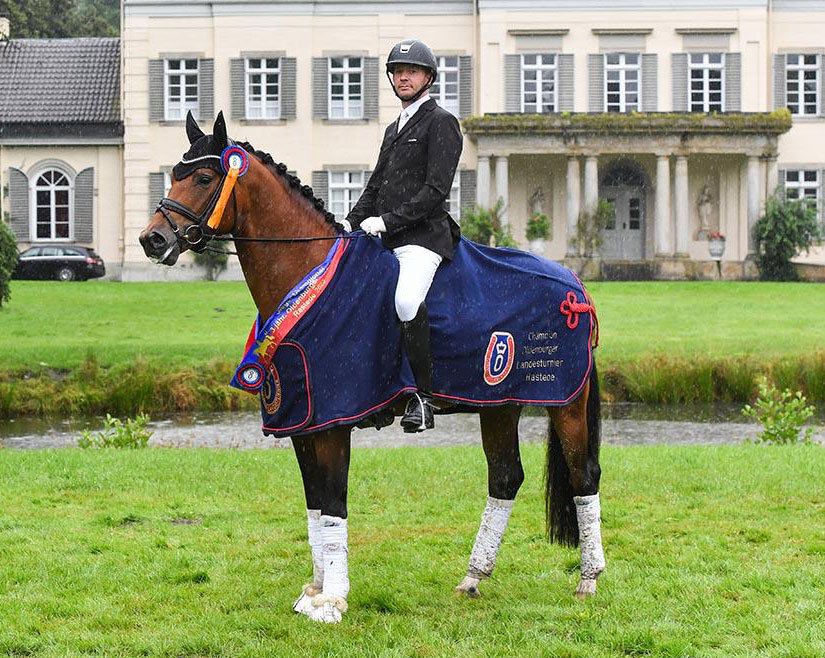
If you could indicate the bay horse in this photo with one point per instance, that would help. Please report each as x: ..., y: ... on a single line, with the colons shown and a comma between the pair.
x: 281, y: 232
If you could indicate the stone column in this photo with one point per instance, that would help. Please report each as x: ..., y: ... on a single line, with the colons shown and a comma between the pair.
x: 682, y: 213
x: 591, y: 182
x: 574, y: 186
x: 662, y: 219
x: 483, y: 181
x: 773, y: 174
x: 502, y: 186
x: 753, y: 198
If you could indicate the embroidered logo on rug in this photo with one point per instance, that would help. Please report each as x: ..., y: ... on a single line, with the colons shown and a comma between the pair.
x: 271, y: 391
x: 498, y: 360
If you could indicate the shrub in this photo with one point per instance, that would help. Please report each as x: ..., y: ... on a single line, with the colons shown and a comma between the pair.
x: 8, y: 260
x: 588, y: 239
x: 781, y: 413
x: 483, y: 225
x: 538, y: 226
x: 787, y: 228
x: 118, y: 434
x: 214, y: 262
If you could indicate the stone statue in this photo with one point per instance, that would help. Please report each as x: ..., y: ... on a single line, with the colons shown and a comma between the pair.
x: 536, y: 202
x: 705, y: 207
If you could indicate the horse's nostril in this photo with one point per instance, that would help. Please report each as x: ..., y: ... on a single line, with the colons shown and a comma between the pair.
x: 156, y: 239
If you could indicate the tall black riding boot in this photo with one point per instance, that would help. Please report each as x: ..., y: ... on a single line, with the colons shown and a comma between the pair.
x: 416, y: 333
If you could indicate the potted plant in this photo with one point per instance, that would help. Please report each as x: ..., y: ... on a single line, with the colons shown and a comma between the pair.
x: 716, y: 245
x: 538, y: 230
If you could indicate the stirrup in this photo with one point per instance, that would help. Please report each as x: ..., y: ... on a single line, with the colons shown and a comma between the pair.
x: 418, y: 416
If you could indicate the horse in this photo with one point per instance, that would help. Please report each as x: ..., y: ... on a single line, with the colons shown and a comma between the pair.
x: 281, y: 232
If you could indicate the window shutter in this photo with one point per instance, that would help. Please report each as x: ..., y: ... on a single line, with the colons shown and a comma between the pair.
x: 84, y: 205
x: 156, y: 90
x: 288, y: 87
x: 596, y: 78
x: 465, y: 86
x: 821, y: 98
x: 467, y: 190
x: 512, y: 83
x: 370, y: 87
x: 822, y: 197
x: 565, y: 86
x: 19, y: 204
x: 780, y: 87
x: 733, y: 82
x: 320, y: 186
x: 156, y: 189
x: 206, y: 90
x: 320, y: 87
x: 680, y: 82
x: 650, y: 79
x: 237, y: 88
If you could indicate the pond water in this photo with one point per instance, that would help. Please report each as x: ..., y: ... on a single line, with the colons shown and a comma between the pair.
x: 623, y: 424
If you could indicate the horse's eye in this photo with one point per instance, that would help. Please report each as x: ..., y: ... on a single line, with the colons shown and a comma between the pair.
x: 204, y: 180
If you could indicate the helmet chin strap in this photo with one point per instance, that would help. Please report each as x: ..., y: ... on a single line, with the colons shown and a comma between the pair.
x: 418, y: 94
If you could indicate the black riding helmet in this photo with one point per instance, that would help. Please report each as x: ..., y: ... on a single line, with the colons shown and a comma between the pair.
x: 412, y: 51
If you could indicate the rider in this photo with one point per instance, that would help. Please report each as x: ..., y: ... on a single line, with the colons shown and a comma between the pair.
x: 405, y: 202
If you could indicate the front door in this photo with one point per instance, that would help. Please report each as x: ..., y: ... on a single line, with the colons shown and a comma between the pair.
x: 623, y: 237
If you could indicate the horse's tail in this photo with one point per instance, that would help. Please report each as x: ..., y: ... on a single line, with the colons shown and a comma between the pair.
x: 560, y: 510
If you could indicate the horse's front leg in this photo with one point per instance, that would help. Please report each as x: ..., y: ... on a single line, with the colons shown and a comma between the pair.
x: 324, y: 462
x: 499, y: 436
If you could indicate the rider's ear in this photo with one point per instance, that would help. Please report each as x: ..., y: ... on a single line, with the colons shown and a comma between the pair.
x: 219, y: 131
x: 193, y: 131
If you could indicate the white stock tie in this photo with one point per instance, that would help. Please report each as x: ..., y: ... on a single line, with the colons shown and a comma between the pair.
x: 402, y: 121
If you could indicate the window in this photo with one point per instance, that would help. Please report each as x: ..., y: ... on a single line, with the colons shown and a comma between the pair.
x: 52, y: 207
x: 346, y: 89
x: 167, y: 182
x: 802, y: 80
x: 181, y: 88
x: 706, y: 82
x: 263, y: 88
x: 622, y: 76
x: 454, y: 200
x: 538, y: 83
x: 445, y: 87
x: 803, y: 184
x: 344, y: 191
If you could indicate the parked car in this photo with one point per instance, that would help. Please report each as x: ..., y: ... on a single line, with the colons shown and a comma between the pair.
x: 64, y: 263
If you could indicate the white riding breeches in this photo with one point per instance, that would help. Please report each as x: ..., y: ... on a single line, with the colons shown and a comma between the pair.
x: 418, y: 266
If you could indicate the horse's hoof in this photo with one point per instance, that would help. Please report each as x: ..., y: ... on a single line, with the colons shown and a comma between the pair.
x: 303, y: 604
x: 587, y: 587
x: 468, y: 587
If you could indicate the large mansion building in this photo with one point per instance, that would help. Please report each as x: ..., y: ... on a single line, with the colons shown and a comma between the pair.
x: 684, y: 115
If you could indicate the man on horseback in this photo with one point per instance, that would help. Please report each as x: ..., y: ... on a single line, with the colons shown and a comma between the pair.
x: 404, y: 202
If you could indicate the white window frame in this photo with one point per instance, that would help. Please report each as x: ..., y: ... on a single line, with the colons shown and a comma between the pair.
x: 167, y: 182
x: 33, y: 189
x: 439, y: 91
x: 269, y: 107
x: 352, y: 107
x: 706, y: 66
x: 349, y: 188
x: 543, y: 72
x: 185, y: 103
x: 799, y: 69
x: 623, y: 67
x: 454, y: 197
x: 796, y: 189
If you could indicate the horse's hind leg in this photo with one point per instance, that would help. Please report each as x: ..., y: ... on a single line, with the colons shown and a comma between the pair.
x: 573, y: 506
x: 324, y: 462
x: 499, y: 434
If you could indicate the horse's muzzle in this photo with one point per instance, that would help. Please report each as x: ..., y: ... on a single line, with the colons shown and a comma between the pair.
x: 159, y: 247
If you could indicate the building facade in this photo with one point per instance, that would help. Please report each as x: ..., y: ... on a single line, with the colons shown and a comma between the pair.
x: 677, y: 116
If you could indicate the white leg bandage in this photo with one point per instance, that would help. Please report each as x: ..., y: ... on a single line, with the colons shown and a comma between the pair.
x: 336, y: 571
x: 588, y: 514
x: 316, y: 545
x: 493, y: 524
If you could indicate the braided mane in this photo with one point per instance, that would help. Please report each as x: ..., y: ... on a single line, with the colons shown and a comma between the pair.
x: 293, y: 181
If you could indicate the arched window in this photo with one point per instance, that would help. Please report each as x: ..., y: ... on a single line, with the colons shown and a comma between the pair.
x: 52, y: 190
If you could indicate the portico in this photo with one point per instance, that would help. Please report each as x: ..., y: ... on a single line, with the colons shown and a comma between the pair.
x: 697, y: 173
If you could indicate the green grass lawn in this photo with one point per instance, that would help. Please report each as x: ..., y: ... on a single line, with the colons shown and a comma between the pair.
x: 59, y: 324
x: 712, y: 552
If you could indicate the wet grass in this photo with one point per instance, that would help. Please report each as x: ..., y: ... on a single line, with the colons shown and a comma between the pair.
x: 712, y: 552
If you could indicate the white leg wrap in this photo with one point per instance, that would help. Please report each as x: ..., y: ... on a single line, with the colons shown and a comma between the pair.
x: 316, y: 544
x: 588, y: 514
x: 485, y: 550
x: 336, y: 571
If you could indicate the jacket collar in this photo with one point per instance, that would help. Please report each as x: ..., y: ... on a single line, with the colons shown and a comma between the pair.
x: 429, y: 106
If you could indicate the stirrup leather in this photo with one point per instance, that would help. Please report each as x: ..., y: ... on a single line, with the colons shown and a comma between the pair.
x: 418, y: 416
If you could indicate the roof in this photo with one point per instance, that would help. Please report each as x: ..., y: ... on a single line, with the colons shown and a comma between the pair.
x: 63, y: 82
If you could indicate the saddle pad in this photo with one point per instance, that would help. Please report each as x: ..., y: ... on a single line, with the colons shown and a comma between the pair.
x: 506, y: 327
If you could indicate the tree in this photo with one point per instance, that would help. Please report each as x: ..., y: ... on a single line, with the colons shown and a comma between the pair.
x: 787, y: 228
x: 8, y: 260
x: 55, y: 19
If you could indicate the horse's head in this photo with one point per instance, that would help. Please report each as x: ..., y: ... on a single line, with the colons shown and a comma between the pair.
x: 181, y: 219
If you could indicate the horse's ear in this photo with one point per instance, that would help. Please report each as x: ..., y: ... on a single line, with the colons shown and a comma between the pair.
x: 219, y: 131
x: 193, y: 131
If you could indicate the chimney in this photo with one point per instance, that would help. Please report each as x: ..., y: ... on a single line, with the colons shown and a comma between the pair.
x: 4, y: 28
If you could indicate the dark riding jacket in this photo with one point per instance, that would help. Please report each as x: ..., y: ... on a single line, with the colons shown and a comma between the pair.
x: 411, y: 182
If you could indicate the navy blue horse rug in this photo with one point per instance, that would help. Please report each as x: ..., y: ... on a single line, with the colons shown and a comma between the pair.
x: 507, y: 328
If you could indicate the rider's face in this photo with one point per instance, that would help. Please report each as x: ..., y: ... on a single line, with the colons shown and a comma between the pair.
x: 409, y: 79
